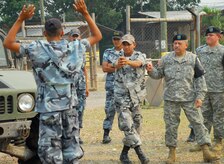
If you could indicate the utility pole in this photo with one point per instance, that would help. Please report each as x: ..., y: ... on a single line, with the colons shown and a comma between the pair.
x: 163, y: 27
x: 42, y: 12
x: 128, y: 23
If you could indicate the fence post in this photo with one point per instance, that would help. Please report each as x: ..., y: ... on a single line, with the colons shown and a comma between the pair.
x: 192, y: 34
x: 128, y: 22
x: 94, y: 60
x: 163, y: 26
x: 23, y: 29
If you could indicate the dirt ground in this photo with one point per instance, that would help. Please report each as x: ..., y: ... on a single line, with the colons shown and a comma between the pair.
x: 152, y: 135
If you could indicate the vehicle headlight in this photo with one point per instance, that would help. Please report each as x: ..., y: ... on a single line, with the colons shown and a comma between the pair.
x: 25, y: 102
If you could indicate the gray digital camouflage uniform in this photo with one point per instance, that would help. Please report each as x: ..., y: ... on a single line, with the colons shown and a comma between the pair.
x: 56, y: 66
x: 81, y: 88
x: 110, y: 55
x: 213, y: 105
x: 180, y: 91
x: 129, y: 91
x: 81, y: 93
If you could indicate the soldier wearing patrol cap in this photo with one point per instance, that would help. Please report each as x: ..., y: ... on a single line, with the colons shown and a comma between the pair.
x: 74, y: 34
x: 185, y: 88
x: 110, y: 56
x: 211, y: 56
x: 81, y: 85
x: 129, y: 91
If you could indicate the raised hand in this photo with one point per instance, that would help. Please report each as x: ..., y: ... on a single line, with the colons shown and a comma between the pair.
x: 80, y: 6
x: 27, y: 12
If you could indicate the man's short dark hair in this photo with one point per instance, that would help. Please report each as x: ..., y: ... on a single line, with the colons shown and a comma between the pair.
x: 53, y: 27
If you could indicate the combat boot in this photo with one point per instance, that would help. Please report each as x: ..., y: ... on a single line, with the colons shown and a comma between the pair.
x: 218, y: 145
x: 141, y: 155
x: 208, y: 156
x: 191, y: 137
x: 106, y: 137
x: 172, y: 155
x: 124, y: 155
x: 195, y: 148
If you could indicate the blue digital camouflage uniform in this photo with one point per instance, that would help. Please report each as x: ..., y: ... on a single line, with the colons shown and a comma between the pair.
x: 56, y: 66
x: 110, y: 55
x: 81, y: 88
x: 213, y: 105
x: 129, y: 91
x: 180, y: 91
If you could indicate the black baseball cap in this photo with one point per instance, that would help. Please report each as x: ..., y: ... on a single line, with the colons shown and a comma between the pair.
x: 180, y: 37
x: 213, y: 29
x: 52, y: 26
x: 117, y: 34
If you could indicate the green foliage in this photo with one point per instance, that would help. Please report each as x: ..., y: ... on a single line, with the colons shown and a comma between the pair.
x: 10, y: 9
x: 56, y: 8
x: 108, y: 12
x: 181, y: 4
x: 213, y: 17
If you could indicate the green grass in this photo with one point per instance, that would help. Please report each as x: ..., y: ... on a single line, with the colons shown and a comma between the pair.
x: 152, y: 135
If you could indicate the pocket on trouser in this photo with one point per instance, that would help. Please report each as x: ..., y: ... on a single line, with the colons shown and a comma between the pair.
x: 137, y: 122
x: 125, y: 121
x: 132, y: 140
x: 50, y: 127
x: 49, y: 144
x: 70, y: 124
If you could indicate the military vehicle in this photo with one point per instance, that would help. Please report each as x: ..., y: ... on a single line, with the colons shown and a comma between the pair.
x: 18, y: 121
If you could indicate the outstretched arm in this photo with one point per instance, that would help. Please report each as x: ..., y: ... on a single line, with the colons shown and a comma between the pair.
x: 10, y: 40
x: 96, y: 36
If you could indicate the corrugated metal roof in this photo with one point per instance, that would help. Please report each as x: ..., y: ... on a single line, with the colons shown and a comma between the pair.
x: 170, y: 14
x: 36, y: 32
x: 218, y: 4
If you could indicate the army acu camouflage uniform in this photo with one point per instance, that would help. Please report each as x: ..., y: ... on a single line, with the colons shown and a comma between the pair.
x: 81, y: 88
x: 180, y: 91
x: 213, y: 105
x: 129, y: 91
x: 110, y: 55
x: 56, y: 66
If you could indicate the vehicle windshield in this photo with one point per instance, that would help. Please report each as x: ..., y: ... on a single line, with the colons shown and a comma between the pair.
x: 3, y: 60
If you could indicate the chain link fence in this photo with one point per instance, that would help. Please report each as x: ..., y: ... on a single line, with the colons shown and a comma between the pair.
x: 148, y: 39
x: 147, y: 35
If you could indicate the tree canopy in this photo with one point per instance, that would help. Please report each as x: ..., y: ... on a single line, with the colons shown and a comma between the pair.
x: 108, y: 12
x: 213, y: 17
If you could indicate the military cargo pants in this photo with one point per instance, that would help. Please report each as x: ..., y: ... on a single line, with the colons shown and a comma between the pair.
x: 59, y: 138
x: 81, y: 94
x: 129, y: 121
x: 109, y: 110
x: 172, y: 112
x: 213, y: 113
